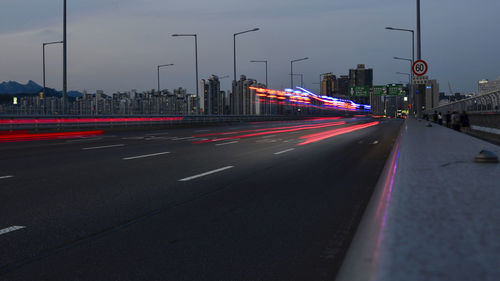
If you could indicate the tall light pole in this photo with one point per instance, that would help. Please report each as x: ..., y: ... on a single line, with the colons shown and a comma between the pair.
x: 158, y: 68
x: 195, y: 58
x: 411, y: 74
x: 412, y: 38
x: 301, y: 79
x: 264, y: 61
x: 43, y: 55
x: 291, y: 70
x: 412, y: 50
x: 65, y: 62
x: 421, y: 88
x: 234, y: 47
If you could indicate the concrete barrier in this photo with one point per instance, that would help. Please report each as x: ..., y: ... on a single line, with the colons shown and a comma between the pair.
x: 434, y: 214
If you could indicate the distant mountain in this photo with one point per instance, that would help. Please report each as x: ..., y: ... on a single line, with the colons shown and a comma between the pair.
x: 31, y: 88
x: 15, y: 88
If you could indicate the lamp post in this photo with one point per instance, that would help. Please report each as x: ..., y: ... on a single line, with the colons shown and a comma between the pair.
x: 158, y: 68
x: 234, y: 46
x: 291, y: 70
x: 412, y: 49
x: 43, y: 55
x: 264, y: 61
x: 195, y: 56
x: 65, y: 62
x: 412, y: 38
x: 403, y: 73
x: 411, y: 73
x: 301, y: 79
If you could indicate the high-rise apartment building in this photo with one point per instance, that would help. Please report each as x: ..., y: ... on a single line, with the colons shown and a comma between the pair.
x: 431, y: 94
x: 243, y: 100
x: 343, y: 85
x: 211, y: 100
x: 328, y: 85
x: 361, y: 76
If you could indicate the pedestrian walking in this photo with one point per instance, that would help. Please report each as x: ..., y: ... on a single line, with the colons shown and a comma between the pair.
x: 435, y: 116
x: 464, y: 121
x: 455, y: 121
x: 447, y: 118
x: 440, y: 119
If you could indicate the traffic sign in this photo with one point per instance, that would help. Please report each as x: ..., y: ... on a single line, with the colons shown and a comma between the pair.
x: 420, y: 68
x: 422, y: 80
x: 379, y: 90
x: 395, y: 90
x: 360, y: 91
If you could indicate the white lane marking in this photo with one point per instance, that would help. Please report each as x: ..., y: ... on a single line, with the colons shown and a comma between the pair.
x: 286, y: 141
x: 84, y: 140
x: 5, y: 177
x: 199, y: 131
x: 284, y: 151
x: 10, y: 229
x: 265, y: 137
x: 146, y: 155
x: 186, y: 138
x: 104, y: 146
x: 375, y: 142
x: 132, y: 138
x: 226, y: 143
x: 206, y: 174
x: 156, y: 134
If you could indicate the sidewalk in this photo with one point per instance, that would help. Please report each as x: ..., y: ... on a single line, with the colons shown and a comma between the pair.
x: 435, y: 214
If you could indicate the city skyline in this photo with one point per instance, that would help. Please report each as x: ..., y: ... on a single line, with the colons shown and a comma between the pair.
x: 117, y: 47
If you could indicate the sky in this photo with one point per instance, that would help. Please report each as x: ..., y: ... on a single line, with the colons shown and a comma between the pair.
x: 115, y: 45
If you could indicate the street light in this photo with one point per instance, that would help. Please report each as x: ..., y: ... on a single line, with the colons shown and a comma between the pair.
x: 234, y: 46
x: 195, y: 57
x: 403, y: 73
x: 264, y: 61
x: 291, y: 70
x: 412, y: 47
x: 43, y: 55
x: 160, y: 66
x: 65, y: 62
x: 301, y: 79
x: 412, y: 38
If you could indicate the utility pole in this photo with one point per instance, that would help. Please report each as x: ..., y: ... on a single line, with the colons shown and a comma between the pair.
x: 65, y: 64
x: 421, y: 88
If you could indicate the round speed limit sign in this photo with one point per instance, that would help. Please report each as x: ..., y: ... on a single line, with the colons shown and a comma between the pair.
x: 420, y: 68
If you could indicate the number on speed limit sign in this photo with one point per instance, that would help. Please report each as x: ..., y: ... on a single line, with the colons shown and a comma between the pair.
x: 420, y: 68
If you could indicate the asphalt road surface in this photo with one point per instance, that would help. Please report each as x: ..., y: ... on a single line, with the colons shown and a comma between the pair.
x: 237, y: 202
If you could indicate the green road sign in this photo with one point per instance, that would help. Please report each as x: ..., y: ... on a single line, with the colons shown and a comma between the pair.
x: 379, y: 90
x: 395, y: 90
x: 363, y: 91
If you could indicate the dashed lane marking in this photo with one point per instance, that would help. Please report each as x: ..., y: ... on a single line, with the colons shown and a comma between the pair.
x: 206, y: 174
x: 10, y: 229
x: 284, y: 151
x: 104, y: 146
x: 186, y: 138
x: 146, y: 155
x: 226, y: 143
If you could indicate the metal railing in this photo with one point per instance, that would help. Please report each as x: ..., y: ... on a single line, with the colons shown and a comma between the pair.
x: 60, y: 122
x: 486, y: 103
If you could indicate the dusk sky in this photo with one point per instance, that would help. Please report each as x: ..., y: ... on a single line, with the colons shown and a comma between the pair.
x: 115, y: 45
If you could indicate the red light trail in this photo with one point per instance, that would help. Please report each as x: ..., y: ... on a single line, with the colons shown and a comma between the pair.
x: 328, y: 134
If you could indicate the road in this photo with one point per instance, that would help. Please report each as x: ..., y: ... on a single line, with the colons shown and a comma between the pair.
x: 238, y: 202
